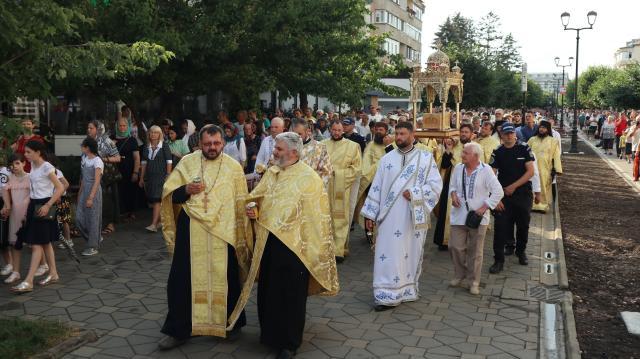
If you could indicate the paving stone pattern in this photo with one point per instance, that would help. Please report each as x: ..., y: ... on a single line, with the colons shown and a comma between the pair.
x: 121, y: 294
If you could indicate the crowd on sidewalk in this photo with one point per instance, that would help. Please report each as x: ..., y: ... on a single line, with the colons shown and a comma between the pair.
x: 311, y: 177
x: 617, y: 132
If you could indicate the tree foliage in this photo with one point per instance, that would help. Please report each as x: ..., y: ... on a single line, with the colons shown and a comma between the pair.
x: 604, y: 87
x: 488, y: 59
x: 46, y: 42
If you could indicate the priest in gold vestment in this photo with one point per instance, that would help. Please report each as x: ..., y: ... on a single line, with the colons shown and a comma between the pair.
x: 294, y: 248
x: 346, y: 160
x: 451, y: 156
x: 547, y: 151
x: 370, y: 159
x: 487, y: 142
x: 206, y: 231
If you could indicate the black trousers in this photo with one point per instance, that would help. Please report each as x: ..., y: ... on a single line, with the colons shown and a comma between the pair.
x: 617, y: 144
x: 178, y: 321
x: 282, y: 296
x: 517, y: 211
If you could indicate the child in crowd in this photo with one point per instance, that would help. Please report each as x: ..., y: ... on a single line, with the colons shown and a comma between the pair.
x: 16, y: 201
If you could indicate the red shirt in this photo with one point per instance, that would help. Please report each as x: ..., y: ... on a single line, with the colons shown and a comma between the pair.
x: 621, y: 125
x: 21, y: 142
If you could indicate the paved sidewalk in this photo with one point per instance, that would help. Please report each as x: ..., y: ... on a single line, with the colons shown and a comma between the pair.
x: 121, y: 294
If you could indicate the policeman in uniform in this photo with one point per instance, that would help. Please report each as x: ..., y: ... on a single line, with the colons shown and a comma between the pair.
x: 513, y: 162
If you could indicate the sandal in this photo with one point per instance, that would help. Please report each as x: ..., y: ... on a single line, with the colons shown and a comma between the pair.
x: 108, y: 230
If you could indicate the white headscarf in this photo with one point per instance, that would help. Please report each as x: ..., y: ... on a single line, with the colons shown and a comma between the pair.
x: 191, y: 129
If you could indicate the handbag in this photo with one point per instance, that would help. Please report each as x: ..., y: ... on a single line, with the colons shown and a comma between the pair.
x: 473, y: 219
x: 111, y: 174
x: 50, y: 216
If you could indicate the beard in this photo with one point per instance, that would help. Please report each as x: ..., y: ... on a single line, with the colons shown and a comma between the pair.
x: 211, y: 154
x: 378, y: 138
x: 543, y: 135
x: 465, y: 140
x: 403, y: 145
x: 336, y: 139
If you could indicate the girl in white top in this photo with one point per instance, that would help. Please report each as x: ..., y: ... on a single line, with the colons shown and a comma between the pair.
x: 40, y: 230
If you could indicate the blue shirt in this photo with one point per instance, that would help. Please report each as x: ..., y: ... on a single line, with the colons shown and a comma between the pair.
x: 524, y: 133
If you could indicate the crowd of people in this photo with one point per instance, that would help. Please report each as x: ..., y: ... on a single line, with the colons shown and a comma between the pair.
x: 281, y: 195
x: 619, y: 130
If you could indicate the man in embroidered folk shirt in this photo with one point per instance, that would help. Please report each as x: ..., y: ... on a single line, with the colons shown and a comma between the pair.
x: 314, y: 153
x: 346, y: 160
x: 206, y: 231
x: 404, y: 191
x: 450, y: 158
x: 293, y: 250
x: 473, y: 187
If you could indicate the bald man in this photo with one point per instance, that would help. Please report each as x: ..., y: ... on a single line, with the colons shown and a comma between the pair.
x: 266, y: 148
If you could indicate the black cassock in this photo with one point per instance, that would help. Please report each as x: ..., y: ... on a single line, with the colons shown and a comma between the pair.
x: 438, y: 233
x: 178, y: 322
x: 282, y: 296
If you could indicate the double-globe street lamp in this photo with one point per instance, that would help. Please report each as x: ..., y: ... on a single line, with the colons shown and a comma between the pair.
x: 557, y: 60
x: 591, y: 19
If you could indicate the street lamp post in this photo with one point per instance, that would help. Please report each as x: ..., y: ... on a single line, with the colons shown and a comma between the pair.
x: 591, y: 19
x: 557, y: 60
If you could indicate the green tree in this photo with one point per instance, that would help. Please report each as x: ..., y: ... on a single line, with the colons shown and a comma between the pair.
x: 488, y: 37
x: 44, y: 43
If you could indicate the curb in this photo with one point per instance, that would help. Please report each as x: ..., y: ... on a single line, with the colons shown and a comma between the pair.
x: 69, y: 345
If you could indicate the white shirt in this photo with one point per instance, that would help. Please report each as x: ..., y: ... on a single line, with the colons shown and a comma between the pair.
x: 364, y: 131
x: 237, y: 150
x: 41, y: 185
x: 535, y: 180
x: 266, y: 149
x: 482, y: 187
x: 153, y: 154
x: 95, y: 162
x: 557, y: 136
x: 635, y: 139
x: 375, y: 118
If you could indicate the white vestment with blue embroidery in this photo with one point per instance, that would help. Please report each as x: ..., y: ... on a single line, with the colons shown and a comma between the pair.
x: 401, y: 224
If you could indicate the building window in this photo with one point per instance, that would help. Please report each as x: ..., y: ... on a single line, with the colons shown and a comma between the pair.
x: 395, y: 21
x: 392, y: 47
x: 380, y: 17
x: 417, y: 11
x: 412, y: 54
x: 413, y: 32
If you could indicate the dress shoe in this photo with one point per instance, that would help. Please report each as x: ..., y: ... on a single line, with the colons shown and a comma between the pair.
x: 496, y: 267
x: 508, y: 251
x: 522, y: 259
x: 49, y: 280
x: 234, y: 333
x: 382, y: 308
x: 443, y: 247
x: 169, y: 342
x: 286, y: 354
x: 339, y: 260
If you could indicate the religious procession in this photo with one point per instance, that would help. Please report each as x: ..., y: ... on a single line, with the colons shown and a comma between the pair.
x: 314, y: 179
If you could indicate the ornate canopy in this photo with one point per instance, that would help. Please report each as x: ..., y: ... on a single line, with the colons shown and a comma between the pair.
x: 439, y: 80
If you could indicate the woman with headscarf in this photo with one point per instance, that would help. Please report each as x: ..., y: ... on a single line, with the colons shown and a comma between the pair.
x: 234, y: 144
x: 108, y: 152
x: 188, y: 129
x: 129, y: 168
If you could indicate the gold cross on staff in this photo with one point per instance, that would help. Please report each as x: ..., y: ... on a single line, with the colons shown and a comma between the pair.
x: 205, y: 201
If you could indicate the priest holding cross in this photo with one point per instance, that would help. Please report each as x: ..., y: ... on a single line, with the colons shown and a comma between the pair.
x: 206, y: 231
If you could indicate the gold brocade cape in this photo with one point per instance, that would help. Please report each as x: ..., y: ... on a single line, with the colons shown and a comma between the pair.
x: 370, y: 159
x: 224, y: 222
x: 346, y: 160
x: 293, y: 205
x: 488, y: 144
x: 547, y: 151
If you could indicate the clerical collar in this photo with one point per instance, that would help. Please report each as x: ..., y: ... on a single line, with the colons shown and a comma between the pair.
x: 306, y: 141
x: 407, y: 151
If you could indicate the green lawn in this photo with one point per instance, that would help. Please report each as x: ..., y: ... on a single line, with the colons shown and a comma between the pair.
x: 21, y: 338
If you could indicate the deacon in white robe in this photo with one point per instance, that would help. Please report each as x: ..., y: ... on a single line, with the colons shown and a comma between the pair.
x: 404, y: 191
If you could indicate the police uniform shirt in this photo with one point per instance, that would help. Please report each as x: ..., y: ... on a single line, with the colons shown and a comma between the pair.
x: 511, y: 164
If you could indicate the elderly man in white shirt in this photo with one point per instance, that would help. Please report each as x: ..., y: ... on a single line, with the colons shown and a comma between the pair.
x: 266, y: 148
x: 473, y: 187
